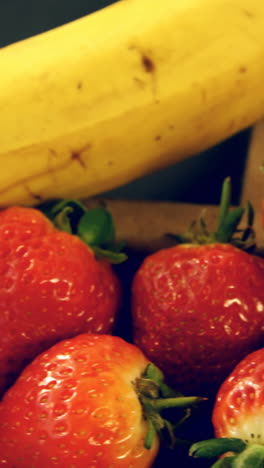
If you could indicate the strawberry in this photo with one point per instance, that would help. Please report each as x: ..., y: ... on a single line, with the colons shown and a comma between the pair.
x: 52, y: 286
x: 238, y: 416
x: 90, y: 401
x: 198, y: 309
x: 240, y: 401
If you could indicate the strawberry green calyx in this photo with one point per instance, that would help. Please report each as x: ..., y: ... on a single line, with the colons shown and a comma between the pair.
x: 243, y: 455
x: 216, y: 447
x: 223, y: 462
x: 228, y: 221
x: 94, y: 226
x: 228, y: 225
x: 156, y: 397
x: 251, y: 457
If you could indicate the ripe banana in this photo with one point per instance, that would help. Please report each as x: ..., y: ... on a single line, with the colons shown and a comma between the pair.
x: 124, y: 91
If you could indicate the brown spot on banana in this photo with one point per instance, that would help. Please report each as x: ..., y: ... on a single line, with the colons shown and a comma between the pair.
x: 148, y: 64
x: 140, y: 83
x: 248, y: 13
x: 242, y: 69
x: 51, y: 170
x: 76, y: 155
x: 149, y: 67
x: 34, y: 195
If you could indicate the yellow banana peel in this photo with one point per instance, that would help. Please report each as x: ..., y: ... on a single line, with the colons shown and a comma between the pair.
x: 132, y: 88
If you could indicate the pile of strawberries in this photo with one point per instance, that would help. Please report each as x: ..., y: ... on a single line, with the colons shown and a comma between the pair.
x: 76, y: 393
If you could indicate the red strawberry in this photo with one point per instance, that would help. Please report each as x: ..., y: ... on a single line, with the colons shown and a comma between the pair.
x: 238, y: 417
x: 79, y: 405
x: 199, y: 309
x: 239, y: 407
x: 51, y: 287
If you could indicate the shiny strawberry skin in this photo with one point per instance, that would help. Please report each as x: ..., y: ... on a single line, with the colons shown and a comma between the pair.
x: 51, y: 288
x: 239, y: 406
x: 75, y: 406
x: 197, y: 311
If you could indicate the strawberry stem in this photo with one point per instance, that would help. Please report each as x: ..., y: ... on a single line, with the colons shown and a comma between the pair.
x: 224, y: 201
x: 160, y: 404
x: 156, y: 397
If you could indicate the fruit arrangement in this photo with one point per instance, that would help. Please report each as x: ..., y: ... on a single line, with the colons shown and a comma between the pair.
x: 109, y: 360
x: 86, y: 381
x: 93, y: 111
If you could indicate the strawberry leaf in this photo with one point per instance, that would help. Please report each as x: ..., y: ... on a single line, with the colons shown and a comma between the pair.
x: 62, y: 220
x: 216, y: 447
x: 227, y: 229
x: 110, y: 255
x: 95, y: 227
x: 251, y: 457
x: 150, y: 435
x: 73, y: 209
x: 224, y: 202
x: 245, y: 455
x: 229, y: 225
x: 226, y: 462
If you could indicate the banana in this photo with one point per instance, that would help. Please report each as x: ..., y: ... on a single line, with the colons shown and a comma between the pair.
x: 127, y: 90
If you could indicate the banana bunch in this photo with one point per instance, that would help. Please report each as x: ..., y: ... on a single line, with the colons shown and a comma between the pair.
x: 127, y: 90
